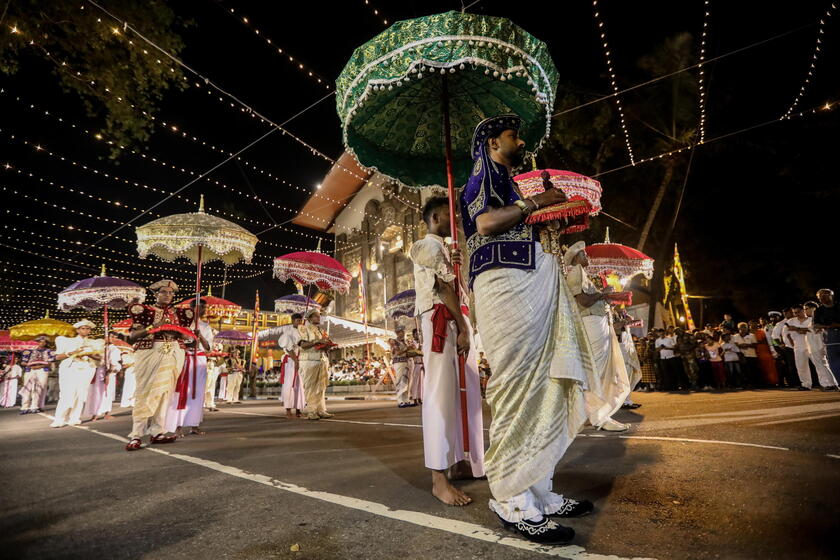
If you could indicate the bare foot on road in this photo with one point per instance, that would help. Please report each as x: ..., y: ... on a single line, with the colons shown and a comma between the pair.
x: 446, y: 493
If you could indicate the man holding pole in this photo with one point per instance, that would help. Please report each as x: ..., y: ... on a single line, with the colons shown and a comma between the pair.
x: 313, y: 363
x: 446, y: 335
x: 533, y: 337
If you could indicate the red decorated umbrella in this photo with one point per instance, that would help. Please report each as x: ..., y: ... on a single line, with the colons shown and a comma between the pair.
x: 626, y: 262
x: 122, y: 327
x: 583, y: 198
x: 216, y: 306
x: 7, y: 344
x: 313, y: 268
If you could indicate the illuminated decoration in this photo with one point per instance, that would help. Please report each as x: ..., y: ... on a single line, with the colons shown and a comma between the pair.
x: 297, y: 64
x: 603, y: 32
x: 812, y: 68
x: 295, y: 303
x: 100, y: 292
x: 401, y: 304
x: 376, y: 12
x: 46, y: 326
x: 614, y: 258
x: 679, y: 274
x: 311, y: 268
x: 700, y: 78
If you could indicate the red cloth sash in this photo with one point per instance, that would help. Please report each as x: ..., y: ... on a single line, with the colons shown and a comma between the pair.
x: 182, y: 385
x: 283, y: 368
x: 440, y: 319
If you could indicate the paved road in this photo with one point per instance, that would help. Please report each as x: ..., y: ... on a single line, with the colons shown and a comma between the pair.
x: 750, y: 474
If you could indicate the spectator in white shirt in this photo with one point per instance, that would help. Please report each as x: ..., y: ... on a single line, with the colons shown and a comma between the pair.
x: 668, y: 361
x: 784, y: 345
x: 732, y: 362
x: 747, y: 342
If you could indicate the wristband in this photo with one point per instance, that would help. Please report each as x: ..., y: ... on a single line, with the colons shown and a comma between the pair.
x: 526, y: 210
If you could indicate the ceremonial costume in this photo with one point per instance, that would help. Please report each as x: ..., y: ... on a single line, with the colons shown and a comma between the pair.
x: 610, y: 385
x: 443, y: 439
x: 213, y: 371
x: 631, y: 362
x: 75, y: 374
x: 533, y: 339
x: 158, y: 361
x: 416, y: 373
x: 830, y: 315
x: 103, y: 388
x: 292, y: 391
x: 401, y: 370
x: 186, y: 407
x: 235, y: 373
x: 9, y: 385
x: 129, y: 381
x: 313, y: 366
x: 37, y: 364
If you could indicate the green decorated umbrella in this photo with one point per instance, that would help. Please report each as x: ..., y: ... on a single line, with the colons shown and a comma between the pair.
x: 410, y: 99
x: 390, y: 94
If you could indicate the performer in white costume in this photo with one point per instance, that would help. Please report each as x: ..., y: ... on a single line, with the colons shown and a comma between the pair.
x: 235, y: 367
x: 9, y: 381
x: 314, y: 364
x: 807, y: 349
x: 400, y: 361
x: 79, y: 357
x: 631, y: 357
x: 129, y: 382
x: 446, y: 334
x: 186, y: 407
x: 103, y: 388
x: 609, y: 385
x: 532, y: 335
x: 37, y: 364
x: 292, y: 391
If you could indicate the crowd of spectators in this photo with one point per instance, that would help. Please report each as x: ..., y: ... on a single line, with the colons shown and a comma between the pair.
x: 795, y: 348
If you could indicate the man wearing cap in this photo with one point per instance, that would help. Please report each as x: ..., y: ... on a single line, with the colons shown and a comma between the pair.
x: 235, y: 373
x: 827, y: 318
x: 607, y: 389
x: 314, y: 364
x: 80, y: 356
x: 36, y: 363
x: 186, y: 407
x: 158, y: 361
x: 533, y: 337
x: 399, y: 359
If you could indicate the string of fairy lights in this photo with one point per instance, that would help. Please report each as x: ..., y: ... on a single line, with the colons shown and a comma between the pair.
x: 603, y: 33
x: 375, y: 12
x: 813, y: 67
x: 701, y: 77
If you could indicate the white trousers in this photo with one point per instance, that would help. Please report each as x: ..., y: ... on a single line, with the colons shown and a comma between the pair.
x: 34, y: 388
x: 129, y: 385
x: 801, y: 358
x: 74, y: 378
x: 222, y: 394
x: 402, y: 379
x: 210, y: 387
x: 234, y: 384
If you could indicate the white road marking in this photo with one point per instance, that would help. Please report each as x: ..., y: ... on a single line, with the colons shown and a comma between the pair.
x: 462, y: 528
x: 832, y: 456
x: 707, y: 441
x: 802, y: 419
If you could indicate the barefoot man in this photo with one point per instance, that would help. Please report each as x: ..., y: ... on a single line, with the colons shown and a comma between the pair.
x: 445, y: 333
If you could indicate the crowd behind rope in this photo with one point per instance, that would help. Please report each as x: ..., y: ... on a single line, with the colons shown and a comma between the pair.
x: 796, y: 348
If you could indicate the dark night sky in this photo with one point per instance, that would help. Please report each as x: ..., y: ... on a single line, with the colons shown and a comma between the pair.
x: 757, y: 222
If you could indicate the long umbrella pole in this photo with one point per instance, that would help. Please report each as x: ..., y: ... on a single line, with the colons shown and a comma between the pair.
x: 453, y: 226
x: 105, y: 328
x: 195, y: 314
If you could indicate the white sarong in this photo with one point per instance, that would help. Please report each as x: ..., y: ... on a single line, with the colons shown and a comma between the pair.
x: 292, y: 391
x: 534, y: 341
x: 155, y: 372
x: 129, y: 386
x: 608, y: 385
x: 193, y: 414
x: 443, y: 436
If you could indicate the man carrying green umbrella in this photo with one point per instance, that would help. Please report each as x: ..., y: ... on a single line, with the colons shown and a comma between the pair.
x: 533, y: 337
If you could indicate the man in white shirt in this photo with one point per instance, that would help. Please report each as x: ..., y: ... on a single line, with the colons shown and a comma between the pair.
x: 784, y: 346
x: 446, y: 334
x: 747, y: 342
x: 314, y: 365
x: 103, y: 390
x: 79, y: 357
x: 808, y: 345
x: 292, y: 391
x: 668, y: 360
x: 399, y: 359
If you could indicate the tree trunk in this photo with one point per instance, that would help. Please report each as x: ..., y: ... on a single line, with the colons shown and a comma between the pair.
x: 657, y: 202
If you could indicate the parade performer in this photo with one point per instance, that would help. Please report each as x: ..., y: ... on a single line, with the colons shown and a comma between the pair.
x: 223, y: 377
x: 827, y: 318
x: 799, y: 327
x: 213, y: 371
x: 415, y: 370
x: 235, y: 373
x: 532, y: 335
x: 399, y: 361
x: 80, y: 356
x: 292, y: 392
x: 446, y: 333
x: 9, y: 380
x: 631, y: 358
x: 103, y: 388
x: 158, y: 360
x: 610, y: 386
x: 129, y: 381
x: 186, y: 407
x: 314, y: 364
x: 37, y: 364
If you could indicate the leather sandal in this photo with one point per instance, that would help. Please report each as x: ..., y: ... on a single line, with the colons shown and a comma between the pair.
x: 134, y: 444
x: 160, y: 438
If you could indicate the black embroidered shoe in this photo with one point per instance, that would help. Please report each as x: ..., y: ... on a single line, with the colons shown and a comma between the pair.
x: 544, y: 531
x: 574, y: 508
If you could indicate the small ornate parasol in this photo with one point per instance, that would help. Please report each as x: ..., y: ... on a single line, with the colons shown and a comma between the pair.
x: 401, y: 304
x: 312, y: 268
x: 7, y: 344
x: 216, y: 307
x: 100, y: 292
x: 626, y: 262
x: 46, y: 326
x: 233, y: 337
x: 295, y: 303
x: 122, y: 327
